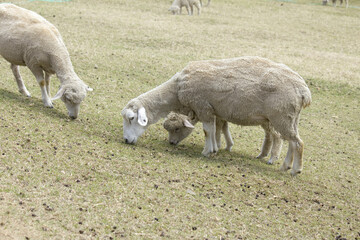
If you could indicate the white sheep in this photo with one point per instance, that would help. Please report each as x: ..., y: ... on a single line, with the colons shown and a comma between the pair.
x: 179, y: 126
x: 208, y: 4
x: 177, y: 5
x: 244, y: 91
x: 334, y: 2
x: 27, y: 39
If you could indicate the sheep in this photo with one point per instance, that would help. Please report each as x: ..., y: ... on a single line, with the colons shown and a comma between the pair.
x: 177, y: 5
x: 334, y: 2
x: 245, y: 91
x: 208, y: 4
x: 179, y: 126
x: 27, y: 39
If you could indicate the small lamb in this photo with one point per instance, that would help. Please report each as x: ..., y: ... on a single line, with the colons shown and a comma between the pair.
x: 27, y: 39
x: 245, y: 91
x: 179, y: 126
x: 177, y: 5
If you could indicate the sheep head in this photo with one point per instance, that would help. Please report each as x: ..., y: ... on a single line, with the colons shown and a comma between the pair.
x: 174, y: 10
x: 72, y: 94
x: 135, y: 122
x: 178, y: 127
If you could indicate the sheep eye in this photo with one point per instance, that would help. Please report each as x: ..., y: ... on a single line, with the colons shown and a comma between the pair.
x: 177, y: 129
x: 132, y: 118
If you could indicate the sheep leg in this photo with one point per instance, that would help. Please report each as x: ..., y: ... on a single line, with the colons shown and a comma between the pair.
x: 210, y: 140
x: 276, y: 148
x: 208, y: 4
x: 198, y: 6
x: 187, y: 9
x: 334, y: 3
x: 267, y: 143
x: 19, y: 81
x: 39, y: 75
x: 228, y: 138
x: 191, y: 9
x: 219, y: 124
x: 47, y: 83
x: 298, y: 157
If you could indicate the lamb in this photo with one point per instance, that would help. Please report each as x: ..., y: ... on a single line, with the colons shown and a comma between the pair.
x: 27, y: 39
x: 179, y: 126
x: 177, y: 5
x: 245, y: 91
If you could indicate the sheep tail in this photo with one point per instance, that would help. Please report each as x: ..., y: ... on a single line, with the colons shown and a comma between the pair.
x: 306, y: 97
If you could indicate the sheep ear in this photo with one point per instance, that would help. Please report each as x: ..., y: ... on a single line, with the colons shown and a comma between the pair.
x: 59, y: 94
x: 191, y: 115
x: 142, y: 118
x: 188, y: 124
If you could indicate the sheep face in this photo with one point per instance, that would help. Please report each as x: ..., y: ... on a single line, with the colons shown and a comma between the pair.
x: 174, y: 10
x: 135, y: 124
x: 72, y: 95
x: 178, y: 127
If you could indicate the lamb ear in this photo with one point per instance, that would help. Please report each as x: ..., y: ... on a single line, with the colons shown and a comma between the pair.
x: 188, y: 124
x: 142, y: 118
x: 58, y: 94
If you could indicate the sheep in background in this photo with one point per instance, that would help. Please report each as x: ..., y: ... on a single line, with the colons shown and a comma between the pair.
x: 179, y: 126
x: 208, y: 4
x: 177, y: 5
x: 27, y: 39
x: 245, y: 91
x: 334, y: 2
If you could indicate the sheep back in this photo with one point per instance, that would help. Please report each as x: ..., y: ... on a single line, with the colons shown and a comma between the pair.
x: 25, y: 33
x: 245, y: 91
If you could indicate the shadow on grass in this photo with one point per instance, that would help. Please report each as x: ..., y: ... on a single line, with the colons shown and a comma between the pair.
x: 244, y: 162
x: 31, y: 104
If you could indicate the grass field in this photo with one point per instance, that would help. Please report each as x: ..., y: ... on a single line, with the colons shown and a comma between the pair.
x: 63, y: 179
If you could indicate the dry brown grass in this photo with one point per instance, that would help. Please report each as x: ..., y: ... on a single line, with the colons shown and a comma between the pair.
x: 62, y: 179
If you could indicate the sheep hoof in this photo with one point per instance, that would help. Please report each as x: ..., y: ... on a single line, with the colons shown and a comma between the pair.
x: 284, y: 168
x: 272, y: 160
x: 25, y: 93
x: 208, y: 153
x: 205, y: 153
x: 49, y: 106
x: 228, y: 149
x: 260, y: 156
x: 295, y: 172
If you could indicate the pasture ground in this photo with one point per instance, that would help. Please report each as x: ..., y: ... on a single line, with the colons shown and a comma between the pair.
x: 63, y: 179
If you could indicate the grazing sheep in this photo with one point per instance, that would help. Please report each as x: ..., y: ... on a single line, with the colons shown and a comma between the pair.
x: 27, y: 39
x: 208, y: 4
x: 177, y: 5
x: 179, y: 126
x: 244, y: 91
x: 334, y: 2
